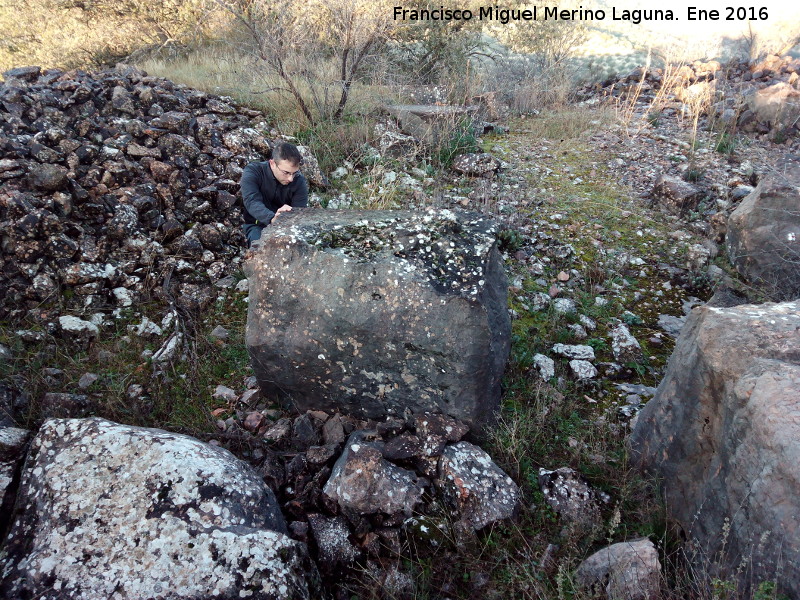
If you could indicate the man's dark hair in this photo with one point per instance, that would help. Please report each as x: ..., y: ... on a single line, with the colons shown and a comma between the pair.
x: 287, y: 151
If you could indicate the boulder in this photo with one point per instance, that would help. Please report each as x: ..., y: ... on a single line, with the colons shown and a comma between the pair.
x: 721, y: 432
x: 475, y: 486
x: 376, y: 313
x: 104, y: 508
x: 624, y: 571
x: 777, y: 105
x: 763, y: 239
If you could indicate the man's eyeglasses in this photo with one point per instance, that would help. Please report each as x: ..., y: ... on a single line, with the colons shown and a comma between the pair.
x: 288, y: 173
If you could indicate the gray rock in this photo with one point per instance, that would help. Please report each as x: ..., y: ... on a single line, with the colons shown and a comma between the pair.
x: 333, y: 544
x: 587, y: 322
x: 355, y: 310
x: 564, y: 306
x: 28, y: 74
x: 570, y: 495
x: 431, y: 123
x: 540, y: 301
x: 169, y: 349
x: 48, y: 178
x: 146, y: 328
x: 777, y: 105
x: 279, y: 432
x: 333, y: 431
x: 310, y: 168
x: 87, y: 379
x: 99, y: 500
x: 720, y: 434
x: 475, y: 164
x: 763, y: 239
x: 574, y: 351
x: 123, y: 296
x: 741, y: 191
x: 578, y: 331
x: 220, y: 333
x: 582, y: 369
x: 675, y: 193
x: 545, y: 366
x: 475, y: 486
x: 223, y: 392
x: 122, y: 100
x: 436, y: 430
x: 304, y: 432
x: 393, y: 144
x: 80, y: 273
x: 77, y: 329
x: 403, y: 447
x: 363, y: 481
x: 671, y: 324
x: 624, y: 346
x: 624, y: 571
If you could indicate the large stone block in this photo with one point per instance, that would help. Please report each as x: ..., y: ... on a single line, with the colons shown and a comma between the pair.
x: 431, y: 123
x: 721, y: 432
x: 110, y: 511
x: 380, y: 312
x: 763, y: 237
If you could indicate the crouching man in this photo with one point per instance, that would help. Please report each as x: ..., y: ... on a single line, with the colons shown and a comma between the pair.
x: 272, y: 187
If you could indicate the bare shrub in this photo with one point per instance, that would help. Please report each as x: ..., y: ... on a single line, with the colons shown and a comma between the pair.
x: 536, y: 68
x: 316, y: 54
x: 432, y: 51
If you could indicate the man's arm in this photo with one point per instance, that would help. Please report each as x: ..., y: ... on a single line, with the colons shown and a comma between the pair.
x: 251, y: 196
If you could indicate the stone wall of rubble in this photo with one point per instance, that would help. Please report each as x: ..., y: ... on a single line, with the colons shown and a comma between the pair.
x: 114, y: 182
x: 760, y: 97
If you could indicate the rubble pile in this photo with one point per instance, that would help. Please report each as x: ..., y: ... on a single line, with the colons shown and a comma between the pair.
x: 115, y: 183
x: 760, y: 97
x: 358, y: 491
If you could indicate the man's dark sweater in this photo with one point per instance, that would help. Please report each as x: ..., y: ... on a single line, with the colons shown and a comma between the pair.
x: 263, y: 195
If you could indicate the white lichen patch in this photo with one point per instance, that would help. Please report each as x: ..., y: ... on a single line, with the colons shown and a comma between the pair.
x: 574, y: 351
x: 450, y: 250
x: 475, y: 486
x: 121, y: 512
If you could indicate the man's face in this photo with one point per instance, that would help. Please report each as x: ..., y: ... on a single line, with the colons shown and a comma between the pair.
x: 284, y: 171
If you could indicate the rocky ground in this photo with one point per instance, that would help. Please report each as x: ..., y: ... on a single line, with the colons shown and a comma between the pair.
x: 607, y: 247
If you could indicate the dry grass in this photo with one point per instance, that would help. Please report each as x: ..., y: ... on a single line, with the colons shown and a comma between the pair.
x: 569, y: 123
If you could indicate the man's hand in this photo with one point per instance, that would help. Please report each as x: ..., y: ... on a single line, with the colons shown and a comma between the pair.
x: 282, y: 209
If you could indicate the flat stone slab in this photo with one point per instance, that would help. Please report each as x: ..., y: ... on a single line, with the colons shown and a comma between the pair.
x: 377, y: 313
x: 430, y: 123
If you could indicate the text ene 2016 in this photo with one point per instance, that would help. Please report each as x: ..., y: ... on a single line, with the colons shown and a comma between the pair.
x: 732, y: 13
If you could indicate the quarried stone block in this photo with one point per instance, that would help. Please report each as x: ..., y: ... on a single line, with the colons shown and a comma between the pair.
x: 377, y: 313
